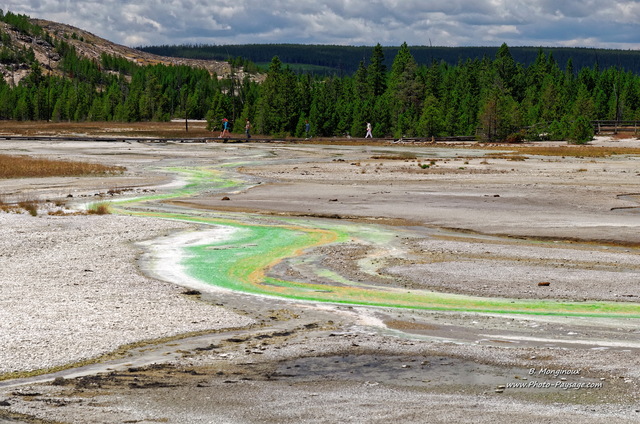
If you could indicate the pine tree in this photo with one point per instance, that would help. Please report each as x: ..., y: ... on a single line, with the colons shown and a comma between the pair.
x: 431, y: 122
x: 405, y: 91
x: 581, y: 131
x: 377, y: 72
x: 500, y: 115
x: 361, y: 84
x: 506, y: 67
x: 278, y: 106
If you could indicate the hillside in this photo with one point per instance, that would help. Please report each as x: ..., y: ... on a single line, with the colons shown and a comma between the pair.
x: 340, y: 60
x: 87, y: 46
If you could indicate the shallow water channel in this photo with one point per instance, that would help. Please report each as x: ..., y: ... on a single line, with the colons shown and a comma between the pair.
x: 236, y: 251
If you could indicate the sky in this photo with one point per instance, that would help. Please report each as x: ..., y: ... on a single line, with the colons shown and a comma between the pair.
x: 550, y: 23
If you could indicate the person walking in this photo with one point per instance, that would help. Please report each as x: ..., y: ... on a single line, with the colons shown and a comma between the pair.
x: 307, y: 128
x: 225, y: 128
x: 247, y: 128
x: 368, y: 131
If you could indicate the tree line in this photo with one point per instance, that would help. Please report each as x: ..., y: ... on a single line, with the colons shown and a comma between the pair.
x: 494, y: 99
x: 344, y: 60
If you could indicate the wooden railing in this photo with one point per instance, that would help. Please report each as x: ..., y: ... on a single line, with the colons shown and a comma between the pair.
x: 615, y: 126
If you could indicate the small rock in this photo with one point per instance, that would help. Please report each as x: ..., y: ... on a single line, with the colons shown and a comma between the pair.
x: 226, y: 198
x: 544, y: 284
x: 59, y: 381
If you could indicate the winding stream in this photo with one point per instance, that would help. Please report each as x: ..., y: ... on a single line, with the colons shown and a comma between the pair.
x: 236, y: 251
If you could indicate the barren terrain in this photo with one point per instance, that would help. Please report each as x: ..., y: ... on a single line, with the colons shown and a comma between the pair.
x: 97, y: 327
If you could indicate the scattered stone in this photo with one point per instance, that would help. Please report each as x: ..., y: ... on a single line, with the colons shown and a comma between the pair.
x: 26, y: 393
x: 544, y: 284
x: 226, y: 198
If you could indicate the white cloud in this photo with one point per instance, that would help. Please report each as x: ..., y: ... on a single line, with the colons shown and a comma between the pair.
x: 586, y: 23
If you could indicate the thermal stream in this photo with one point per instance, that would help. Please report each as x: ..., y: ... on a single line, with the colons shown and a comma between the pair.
x: 236, y: 251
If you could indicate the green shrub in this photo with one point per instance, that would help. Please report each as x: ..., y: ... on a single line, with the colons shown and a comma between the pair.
x: 580, y: 131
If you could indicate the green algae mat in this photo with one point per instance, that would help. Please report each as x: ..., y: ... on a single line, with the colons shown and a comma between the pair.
x: 242, y: 261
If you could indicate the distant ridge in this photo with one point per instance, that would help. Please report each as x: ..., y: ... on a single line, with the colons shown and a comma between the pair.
x: 92, y: 46
x: 330, y: 59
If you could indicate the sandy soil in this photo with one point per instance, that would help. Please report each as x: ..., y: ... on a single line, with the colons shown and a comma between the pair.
x: 78, y: 297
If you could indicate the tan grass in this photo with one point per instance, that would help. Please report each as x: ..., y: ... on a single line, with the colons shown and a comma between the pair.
x: 400, y: 156
x: 30, y: 206
x: 106, y: 129
x: 28, y: 167
x: 570, y: 151
x: 6, y: 206
x: 508, y: 156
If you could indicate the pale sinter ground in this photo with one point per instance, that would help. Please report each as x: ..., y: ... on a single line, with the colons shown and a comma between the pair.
x: 71, y: 290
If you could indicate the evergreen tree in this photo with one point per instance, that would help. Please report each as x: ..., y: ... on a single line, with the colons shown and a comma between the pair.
x: 377, y: 72
x: 96, y: 110
x: 361, y: 83
x: 23, y: 109
x: 323, y: 109
x: 278, y: 106
x: 405, y: 91
x: 506, y: 67
x: 550, y: 100
x: 581, y: 131
x: 583, y: 104
x: 500, y: 115
x: 431, y: 121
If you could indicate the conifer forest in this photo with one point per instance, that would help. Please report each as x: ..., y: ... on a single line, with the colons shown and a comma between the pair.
x: 493, y: 98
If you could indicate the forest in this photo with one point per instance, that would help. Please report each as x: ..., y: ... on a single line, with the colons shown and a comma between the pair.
x: 493, y: 99
x: 344, y: 60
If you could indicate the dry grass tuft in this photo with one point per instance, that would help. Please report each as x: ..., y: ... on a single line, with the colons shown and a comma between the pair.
x: 102, y: 208
x: 30, y: 206
x: 400, y: 156
x: 29, y: 203
x: 6, y: 206
x: 507, y: 156
x: 27, y: 167
x: 33, y: 206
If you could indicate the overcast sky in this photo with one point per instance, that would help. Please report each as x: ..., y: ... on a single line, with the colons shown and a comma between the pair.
x: 582, y: 23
